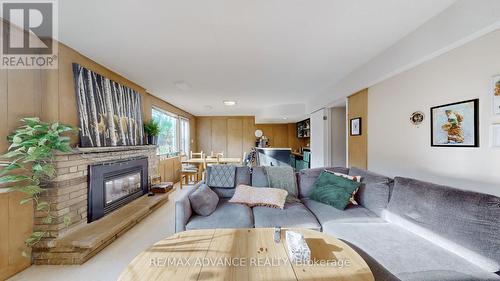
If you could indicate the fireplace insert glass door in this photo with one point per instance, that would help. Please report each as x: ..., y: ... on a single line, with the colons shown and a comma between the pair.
x: 113, y: 185
x: 121, y: 186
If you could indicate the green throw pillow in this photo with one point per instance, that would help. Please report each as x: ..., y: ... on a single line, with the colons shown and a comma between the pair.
x: 333, y: 190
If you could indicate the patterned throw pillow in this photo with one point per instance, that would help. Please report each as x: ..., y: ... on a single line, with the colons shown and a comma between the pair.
x: 222, y: 176
x: 352, y: 200
x: 333, y: 190
x: 259, y: 196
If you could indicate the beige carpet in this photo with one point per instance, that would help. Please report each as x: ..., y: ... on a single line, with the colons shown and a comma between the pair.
x: 110, y: 262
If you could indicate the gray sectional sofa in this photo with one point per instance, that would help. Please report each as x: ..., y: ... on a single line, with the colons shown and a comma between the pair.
x: 405, y: 229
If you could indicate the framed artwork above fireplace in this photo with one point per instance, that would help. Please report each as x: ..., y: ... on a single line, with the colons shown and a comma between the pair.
x: 110, y: 114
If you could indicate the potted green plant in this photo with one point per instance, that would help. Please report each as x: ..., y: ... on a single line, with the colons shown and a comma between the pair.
x: 27, y: 166
x: 152, y: 130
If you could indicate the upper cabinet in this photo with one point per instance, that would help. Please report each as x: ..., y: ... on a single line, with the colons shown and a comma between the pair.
x: 304, y: 129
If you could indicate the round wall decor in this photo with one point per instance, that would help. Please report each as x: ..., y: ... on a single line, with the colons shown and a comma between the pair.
x: 258, y: 133
x: 417, y: 118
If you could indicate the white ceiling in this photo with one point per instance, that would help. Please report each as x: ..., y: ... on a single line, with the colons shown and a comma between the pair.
x: 264, y: 54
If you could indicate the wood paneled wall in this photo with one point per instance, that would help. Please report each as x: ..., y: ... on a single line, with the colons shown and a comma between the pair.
x: 358, y: 145
x: 67, y: 106
x: 283, y: 135
x: 50, y: 95
x: 276, y: 133
x: 16, y: 224
x: 21, y: 95
x: 170, y: 169
x: 234, y: 135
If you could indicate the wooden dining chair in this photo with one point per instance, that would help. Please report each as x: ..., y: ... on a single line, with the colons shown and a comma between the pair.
x: 188, y: 175
x: 201, y: 166
x: 184, y: 157
x: 206, y: 163
x: 196, y: 155
x: 214, y: 155
x: 190, y: 172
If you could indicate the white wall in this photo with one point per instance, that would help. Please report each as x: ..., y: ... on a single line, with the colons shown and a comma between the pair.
x: 462, y: 22
x: 320, y: 136
x: 338, y: 136
x: 396, y: 147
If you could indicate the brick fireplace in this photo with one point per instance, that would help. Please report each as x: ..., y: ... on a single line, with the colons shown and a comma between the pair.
x: 68, y: 196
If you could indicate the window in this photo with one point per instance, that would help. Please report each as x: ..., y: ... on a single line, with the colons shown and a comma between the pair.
x: 185, y: 136
x: 174, y: 133
x: 167, y: 140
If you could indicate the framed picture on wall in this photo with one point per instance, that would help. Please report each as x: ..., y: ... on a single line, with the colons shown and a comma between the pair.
x: 495, y: 136
x: 455, y: 124
x: 110, y: 114
x: 495, y: 95
x: 356, y: 126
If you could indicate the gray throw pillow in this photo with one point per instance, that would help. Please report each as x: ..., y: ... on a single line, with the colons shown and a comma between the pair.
x: 204, y: 200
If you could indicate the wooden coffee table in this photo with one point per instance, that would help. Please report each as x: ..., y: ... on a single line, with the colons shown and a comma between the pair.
x: 245, y: 254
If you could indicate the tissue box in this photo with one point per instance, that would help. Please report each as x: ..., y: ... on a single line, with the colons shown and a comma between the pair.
x: 297, y: 247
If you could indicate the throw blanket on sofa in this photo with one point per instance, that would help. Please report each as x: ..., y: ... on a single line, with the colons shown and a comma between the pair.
x: 283, y: 177
x: 222, y: 176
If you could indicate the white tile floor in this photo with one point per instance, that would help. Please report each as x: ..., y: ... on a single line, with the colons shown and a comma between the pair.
x: 110, y: 262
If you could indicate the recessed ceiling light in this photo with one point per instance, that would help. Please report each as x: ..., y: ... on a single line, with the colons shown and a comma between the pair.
x: 182, y: 85
x: 284, y: 118
x: 229, y: 102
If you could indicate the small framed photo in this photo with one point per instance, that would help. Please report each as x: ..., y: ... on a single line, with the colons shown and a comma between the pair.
x: 495, y: 94
x: 495, y: 136
x: 356, y: 126
x: 455, y: 124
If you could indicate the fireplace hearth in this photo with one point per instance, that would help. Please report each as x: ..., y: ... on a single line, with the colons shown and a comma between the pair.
x: 127, y: 170
x: 114, y: 184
